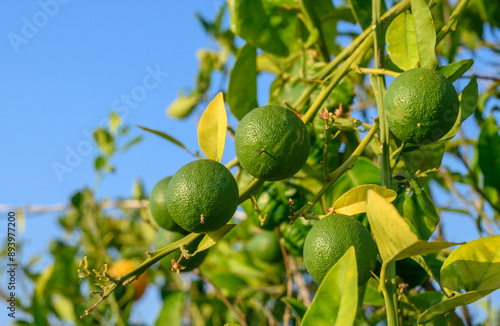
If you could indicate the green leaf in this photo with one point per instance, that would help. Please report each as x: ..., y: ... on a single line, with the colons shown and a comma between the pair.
x: 130, y: 143
x: 373, y: 295
x: 171, y: 312
x: 167, y: 137
x: 455, y: 70
x: 336, y: 301
x: 298, y: 308
x: 362, y: 11
x: 64, y: 308
x: 250, y: 21
x: 473, y: 266
x: 489, y: 153
x: 420, y: 211
x: 99, y: 163
x: 422, y: 158
x: 105, y: 141
x: 283, y: 19
x: 242, y: 89
x: 211, y: 238
x: 324, y: 11
x: 354, y: 201
x: 212, y: 129
x: 425, y: 33
x: 183, y: 105
x: 393, y: 235
x: 468, y: 103
x: 450, y: 304
x: 402, y: 42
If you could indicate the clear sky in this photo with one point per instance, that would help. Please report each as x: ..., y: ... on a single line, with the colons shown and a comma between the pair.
x: 65, y: 66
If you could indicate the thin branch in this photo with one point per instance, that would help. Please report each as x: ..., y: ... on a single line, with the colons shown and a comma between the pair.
x: 40, y: 209
x: 241, y: 319
x: 289, y: 284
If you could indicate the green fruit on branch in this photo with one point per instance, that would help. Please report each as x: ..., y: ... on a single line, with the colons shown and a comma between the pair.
x: 272, y: 143
x: 421, y: 106
x: 202, y: 196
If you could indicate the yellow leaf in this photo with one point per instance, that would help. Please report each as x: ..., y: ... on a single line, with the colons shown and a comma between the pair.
x: 212, y: 129
x: 354, y: 201
x: 394, y: 238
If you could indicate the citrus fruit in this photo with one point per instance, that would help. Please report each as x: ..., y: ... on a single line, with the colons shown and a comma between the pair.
x: 329, y: 239
x: 202, y: 196
x: 266, y: 246
x: 166, y: 237
x: 271, y: 143
x: 124, y: 266
x: 158, y: 206
x: 421, y: 106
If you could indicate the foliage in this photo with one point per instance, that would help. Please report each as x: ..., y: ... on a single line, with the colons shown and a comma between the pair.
x: 320, y: 54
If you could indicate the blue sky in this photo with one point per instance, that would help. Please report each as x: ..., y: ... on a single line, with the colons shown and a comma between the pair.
x: 61, y: 76
x: 66, y: 65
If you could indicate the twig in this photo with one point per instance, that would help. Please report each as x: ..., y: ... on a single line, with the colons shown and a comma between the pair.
x: 40, y: 209
x: 380, y: 71
x: 289, y: 284
x: 241, y: 319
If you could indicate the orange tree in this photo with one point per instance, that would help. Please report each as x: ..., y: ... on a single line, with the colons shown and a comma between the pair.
x: 328, y: 149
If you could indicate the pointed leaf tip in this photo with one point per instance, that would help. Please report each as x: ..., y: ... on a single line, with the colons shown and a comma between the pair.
x: 212, y: 129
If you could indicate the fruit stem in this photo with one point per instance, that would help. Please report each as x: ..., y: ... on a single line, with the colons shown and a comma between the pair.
x: 232, y: 163
x: 451, y: 25
x: 348, y: 164
x: 250, y: 190
x: 374, y: 71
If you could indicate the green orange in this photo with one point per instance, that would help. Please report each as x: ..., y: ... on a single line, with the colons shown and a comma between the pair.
x: 272, y: 143
x: 202, y: 196
x: 421, y: 106
x: 266, y: 246
x: 329, y: 239
x: 158, y: 206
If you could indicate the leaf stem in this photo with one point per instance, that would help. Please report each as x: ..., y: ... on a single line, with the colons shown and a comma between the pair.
x: 451, y: 25
x: 389, y: 290
x: 373, y: 71
x: 250, y: 190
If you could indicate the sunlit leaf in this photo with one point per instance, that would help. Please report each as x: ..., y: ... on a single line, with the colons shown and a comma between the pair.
x: 167, y: 137
x: 425, y: 33
x: 64, y: 308
x: 250, y: 21
x: 115, y: 122
x: 105, y: 141
x: 354, y: 201
x: 468, y: 103
x: 455, y: 70
x: 473, y: 266
x: 450, y: 304
x: 183, y: 105
x: 242, y: 89
x: 172, y: 309
x: 212, y: 129
x: 211, y: 238
x: 402, y: 42
x: 336, y: 301
x: 393, y: 236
